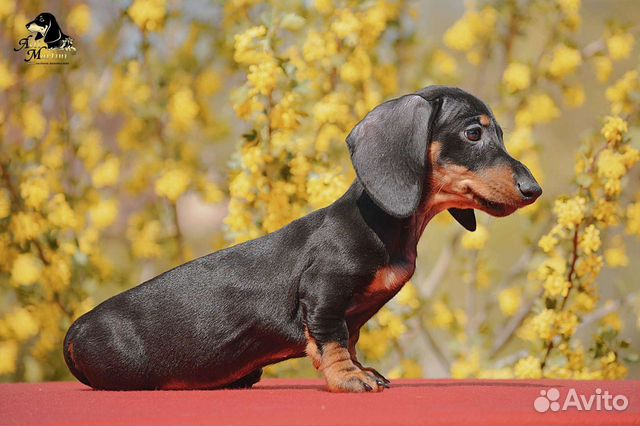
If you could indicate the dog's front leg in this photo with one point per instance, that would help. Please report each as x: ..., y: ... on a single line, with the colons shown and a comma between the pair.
x: 327, y: 346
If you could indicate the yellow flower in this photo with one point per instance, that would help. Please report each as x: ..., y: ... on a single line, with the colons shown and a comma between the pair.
x: 616, y: 257
x: 590, y: 240
x: 569, y: 7
x: 612, y: 320
x: 7, y: 77
x: 5, y: 203
x: 79, y: 19
x: 606, y: 212
x: 620, y: 45
x: 33, y: 122
x: 548, y: 242
x: 21, y: 324
x: 323, y: 6
x: 104, y: 213
x: 556, y: 285
x: 34, y: 191
x: 60, y: 213
x: 584, y: 302
x: 324, y: 187
x: 173, y: 183
x: 544, y: 324
x: 475, y: 240
x: 620, y: 93
x: 510, y: 300
x: 540, y: 108
x: 346, y: 26
x: 566, y: 322
x: 442, y: 315
x: 570, y: 212
x: 90, y: 149
x: 467, y: 365
x: 633, y: 218
x: 472, y: 28
x: 7, y: 8
x: 528, y: 368
x: 574, y: 96
x: 443, y: 63
x: 250, y: 46
x: 604, y: 67
x: 391, y: 322
x: 516, y: 77
x: 318, y: 46
x: 148, y: 14
x: 357, y: 68
x: 564, y: 61
x: 56, y: 276
x: 611, y: 167
x: 26, y: 226
x: 144, y: 236
x: 264, y: 76
x: 520, y: 141
x: 614, y: 128
x: 408, y: 296
x: 8, y: 353
x: 183, y: 108
x: 26, y: 269
x: 107, y: 173
x: 589, y: 265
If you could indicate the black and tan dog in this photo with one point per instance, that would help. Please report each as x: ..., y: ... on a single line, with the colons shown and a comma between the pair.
x: 46, y: 26
x: 309, y: 287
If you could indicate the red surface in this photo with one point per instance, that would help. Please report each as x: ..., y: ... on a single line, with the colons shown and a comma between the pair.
x: 287, y: 402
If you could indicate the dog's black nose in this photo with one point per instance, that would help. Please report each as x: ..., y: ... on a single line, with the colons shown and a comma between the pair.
x: 529, y: 189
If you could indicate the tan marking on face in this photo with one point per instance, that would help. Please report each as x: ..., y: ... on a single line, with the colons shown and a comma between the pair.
x: 458, y: 187
x: 485, y: 120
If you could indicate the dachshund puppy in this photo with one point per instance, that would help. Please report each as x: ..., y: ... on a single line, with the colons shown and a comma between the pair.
x: 45, y: 25
x: 308, y: 288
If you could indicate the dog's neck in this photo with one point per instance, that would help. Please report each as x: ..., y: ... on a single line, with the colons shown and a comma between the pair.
x: 399, y: 235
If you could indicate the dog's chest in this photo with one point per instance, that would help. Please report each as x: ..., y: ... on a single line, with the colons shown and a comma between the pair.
x: 389, y: 279
x: 385, y: 284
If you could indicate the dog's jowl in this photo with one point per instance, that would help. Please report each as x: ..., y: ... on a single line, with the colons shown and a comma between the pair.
x: 308, y: 288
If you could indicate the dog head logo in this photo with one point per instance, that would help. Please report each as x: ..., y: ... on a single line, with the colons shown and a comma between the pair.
x: 47, y: 43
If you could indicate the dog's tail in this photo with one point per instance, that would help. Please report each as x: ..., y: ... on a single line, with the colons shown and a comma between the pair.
x: 68, y: 352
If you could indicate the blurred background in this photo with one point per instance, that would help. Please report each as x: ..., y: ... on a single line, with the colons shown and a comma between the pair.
x: 181, y: 127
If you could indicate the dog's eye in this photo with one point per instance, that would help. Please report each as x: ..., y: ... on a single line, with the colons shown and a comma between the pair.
x: 474, y: 134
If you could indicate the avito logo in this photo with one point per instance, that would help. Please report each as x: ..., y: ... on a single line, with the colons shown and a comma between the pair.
x: 598, y: 401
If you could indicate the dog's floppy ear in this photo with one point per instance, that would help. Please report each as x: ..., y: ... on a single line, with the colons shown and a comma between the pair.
x: 465, y: 217
x: 389, y: 152
x: 54, y: 33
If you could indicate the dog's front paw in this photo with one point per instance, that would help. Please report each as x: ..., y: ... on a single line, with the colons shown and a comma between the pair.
x: 355, y: 381
x: 377, y: 375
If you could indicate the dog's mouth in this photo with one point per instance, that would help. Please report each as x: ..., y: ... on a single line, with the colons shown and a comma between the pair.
x: 494, y: 208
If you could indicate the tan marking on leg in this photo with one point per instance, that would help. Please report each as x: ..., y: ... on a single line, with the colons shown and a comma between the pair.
x: 342, y: 375
x: 312, y: 350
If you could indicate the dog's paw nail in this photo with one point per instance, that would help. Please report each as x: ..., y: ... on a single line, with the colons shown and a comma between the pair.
x: 367, y: 387
x: 379, y: 382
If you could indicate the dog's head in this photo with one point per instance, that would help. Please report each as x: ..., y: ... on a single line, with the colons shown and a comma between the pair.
x: 441, y: 146
x: 42, y: 25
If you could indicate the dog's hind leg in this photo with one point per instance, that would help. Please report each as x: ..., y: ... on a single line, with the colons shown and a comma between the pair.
x: 247, y: 381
